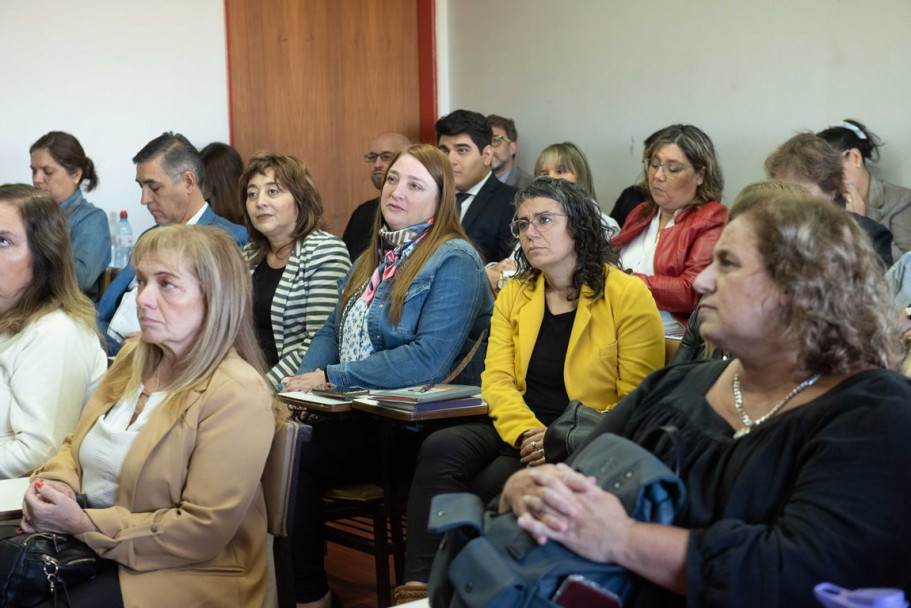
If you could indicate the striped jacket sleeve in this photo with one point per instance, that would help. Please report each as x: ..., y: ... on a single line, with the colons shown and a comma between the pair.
x: 306, y: 295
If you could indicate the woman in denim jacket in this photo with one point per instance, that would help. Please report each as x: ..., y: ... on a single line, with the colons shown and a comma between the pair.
x: 409, y: 312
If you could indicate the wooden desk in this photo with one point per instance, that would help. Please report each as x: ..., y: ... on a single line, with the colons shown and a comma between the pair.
x: 370, y: 406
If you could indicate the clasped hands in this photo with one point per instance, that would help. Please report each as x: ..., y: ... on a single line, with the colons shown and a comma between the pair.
x: 50, y: 506
x: 554, y: 502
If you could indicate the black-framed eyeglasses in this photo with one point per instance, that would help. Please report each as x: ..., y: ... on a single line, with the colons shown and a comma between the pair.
x: 370, y: 157
x: 498, y: 140
x: 542, y: 223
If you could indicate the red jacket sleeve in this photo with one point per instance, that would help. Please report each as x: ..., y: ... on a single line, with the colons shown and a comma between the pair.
x: 683, y: 251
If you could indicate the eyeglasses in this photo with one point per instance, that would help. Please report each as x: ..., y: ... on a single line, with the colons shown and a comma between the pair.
x: 671, y: 170
x: 542, y: 223
x: 498, y: 140
x: 385, y: 157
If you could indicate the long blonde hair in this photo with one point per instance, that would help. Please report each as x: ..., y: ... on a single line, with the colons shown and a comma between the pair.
x: 446, y: 226
x: 213, y: 259
x: 53, y: 285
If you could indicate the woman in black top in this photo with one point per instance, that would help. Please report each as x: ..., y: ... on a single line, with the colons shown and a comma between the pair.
x: 795, y: 453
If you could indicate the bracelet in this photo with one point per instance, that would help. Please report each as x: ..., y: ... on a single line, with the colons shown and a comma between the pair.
x: 490, y: 265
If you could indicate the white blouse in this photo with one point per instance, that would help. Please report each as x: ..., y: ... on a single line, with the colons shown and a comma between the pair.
x: 105, y: 447
x: 47, y: 373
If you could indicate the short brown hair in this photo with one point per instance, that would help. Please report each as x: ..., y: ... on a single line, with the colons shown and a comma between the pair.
x: 295, y: 177
x: 809, y: 158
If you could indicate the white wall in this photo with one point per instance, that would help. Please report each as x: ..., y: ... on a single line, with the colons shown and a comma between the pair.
x: 607, y: 73
x: 114, y: 73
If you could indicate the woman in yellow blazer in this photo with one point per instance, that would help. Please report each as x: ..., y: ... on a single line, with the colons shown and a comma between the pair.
x: 171, y: 448
x: 569, y: 325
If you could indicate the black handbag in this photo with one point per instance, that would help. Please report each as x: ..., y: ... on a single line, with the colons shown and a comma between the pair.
x: 486, y: 560
x: 565, y: 434
x: 41, y: 565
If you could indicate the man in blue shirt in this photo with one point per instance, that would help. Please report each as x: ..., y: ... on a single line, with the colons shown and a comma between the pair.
x: 170, y: 172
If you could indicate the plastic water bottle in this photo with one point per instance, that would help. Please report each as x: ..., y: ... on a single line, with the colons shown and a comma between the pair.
x: 123, y: 242
x: 833, y: 596
x: 112, y: 230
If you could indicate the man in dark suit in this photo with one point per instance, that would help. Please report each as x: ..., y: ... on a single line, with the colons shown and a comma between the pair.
x: 485, y: 202
x: 170, y: 172
x: 359, y: 231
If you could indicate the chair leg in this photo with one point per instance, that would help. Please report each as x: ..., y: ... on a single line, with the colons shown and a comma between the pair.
x: 381, y: 556
x: 398, y: 545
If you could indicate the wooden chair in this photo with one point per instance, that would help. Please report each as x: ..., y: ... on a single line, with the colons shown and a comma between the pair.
x: 280, y: 489
x: 359, y: 517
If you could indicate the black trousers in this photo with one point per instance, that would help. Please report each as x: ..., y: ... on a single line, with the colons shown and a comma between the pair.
x: 341, y: 451
x: 469, y: 457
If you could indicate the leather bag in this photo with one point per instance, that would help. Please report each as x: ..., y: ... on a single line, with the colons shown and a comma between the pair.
x: 41, y: 565
x: 569, y: 431
x: 485, y: 559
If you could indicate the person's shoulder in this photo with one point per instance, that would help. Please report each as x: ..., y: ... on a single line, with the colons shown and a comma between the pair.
x: 459, y: 248
x: 711, y: 212
x: 368, y: 206
x: 233, y: 370
x: 321, y: 238
x: 896, y: 196
x: 500, y: 192
x: 209, y: 217
x: 55, y: 321
x: 618, y: 282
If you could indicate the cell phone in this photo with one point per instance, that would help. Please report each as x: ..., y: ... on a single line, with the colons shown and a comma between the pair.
x: 576, y: 591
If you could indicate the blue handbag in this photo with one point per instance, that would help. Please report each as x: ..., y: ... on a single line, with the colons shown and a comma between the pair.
x: 486, y: 560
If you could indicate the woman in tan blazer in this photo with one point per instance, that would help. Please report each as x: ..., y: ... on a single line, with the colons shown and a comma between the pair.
x: 171, y: 448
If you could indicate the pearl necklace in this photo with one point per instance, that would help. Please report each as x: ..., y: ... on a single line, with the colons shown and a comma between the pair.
x: 748, y: 422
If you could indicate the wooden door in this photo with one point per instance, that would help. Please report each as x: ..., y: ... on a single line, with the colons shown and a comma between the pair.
x: 319, y: 79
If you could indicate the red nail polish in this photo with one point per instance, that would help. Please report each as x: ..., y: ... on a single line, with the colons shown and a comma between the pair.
x: 39, y: 484
x: 20, y: 532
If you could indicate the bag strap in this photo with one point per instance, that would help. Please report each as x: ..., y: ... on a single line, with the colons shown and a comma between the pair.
x: 466, y: 359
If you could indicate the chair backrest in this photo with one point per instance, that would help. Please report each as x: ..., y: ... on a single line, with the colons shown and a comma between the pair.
x: 280, y: 474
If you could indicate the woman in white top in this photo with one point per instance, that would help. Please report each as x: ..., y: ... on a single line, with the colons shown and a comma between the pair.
x: 50, y: 352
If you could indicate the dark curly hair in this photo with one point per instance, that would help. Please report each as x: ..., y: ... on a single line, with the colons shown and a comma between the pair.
x: 585, y: 225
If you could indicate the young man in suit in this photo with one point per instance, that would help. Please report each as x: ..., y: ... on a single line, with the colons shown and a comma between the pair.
x: 485, y: 202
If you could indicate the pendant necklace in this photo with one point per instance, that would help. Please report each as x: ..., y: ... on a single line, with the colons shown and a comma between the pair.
x: 748, y: 422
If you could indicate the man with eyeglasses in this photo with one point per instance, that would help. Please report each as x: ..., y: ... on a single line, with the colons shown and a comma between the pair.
x: 504, y: 145
x: 358, y: 232
x: 484, y: 203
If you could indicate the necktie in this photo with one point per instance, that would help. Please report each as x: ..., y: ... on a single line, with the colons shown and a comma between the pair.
x: 460, y: 198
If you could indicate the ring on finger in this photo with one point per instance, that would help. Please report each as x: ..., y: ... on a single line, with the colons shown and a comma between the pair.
x: 533, y: 444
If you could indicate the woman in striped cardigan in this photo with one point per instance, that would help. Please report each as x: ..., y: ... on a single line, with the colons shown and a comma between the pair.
x: 296, y: 266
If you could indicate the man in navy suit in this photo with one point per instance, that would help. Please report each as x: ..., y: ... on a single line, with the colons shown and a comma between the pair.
x: 170, y: 172
x: 486, y: 203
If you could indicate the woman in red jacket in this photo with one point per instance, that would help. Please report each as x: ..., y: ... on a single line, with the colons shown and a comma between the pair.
x: 668, y: 239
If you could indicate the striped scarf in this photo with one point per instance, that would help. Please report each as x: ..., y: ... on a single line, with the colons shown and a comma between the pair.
x: 397, y: 245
